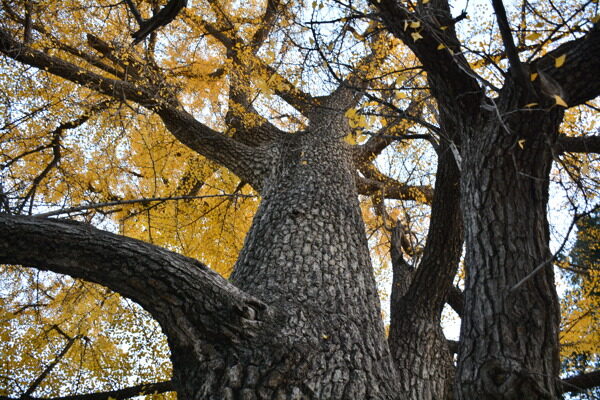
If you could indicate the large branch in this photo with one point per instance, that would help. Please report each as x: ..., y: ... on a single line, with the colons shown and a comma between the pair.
x: 182, y: 294
x: 580, y: 383
x: 456, y: 300
x: 244, y: 161
x: 350, y: 88
x: 509, y: 44
x: 375, y: 182
x: 435, y: 43
x: 575, y: 79
x: 583, y: 144
x: 119, y: 394
x: 433, y: 278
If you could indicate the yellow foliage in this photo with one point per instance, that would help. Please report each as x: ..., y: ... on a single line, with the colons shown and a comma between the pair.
x: 123, y: 152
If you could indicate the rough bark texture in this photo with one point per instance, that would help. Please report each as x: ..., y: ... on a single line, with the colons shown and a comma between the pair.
x: 316, y: 270
x: 508, y: 346
x: 300, y: 317
x: 417, y: 342
x: 509, y: 334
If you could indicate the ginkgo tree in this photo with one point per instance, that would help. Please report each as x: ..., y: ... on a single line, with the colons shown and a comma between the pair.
x: 272, y: 118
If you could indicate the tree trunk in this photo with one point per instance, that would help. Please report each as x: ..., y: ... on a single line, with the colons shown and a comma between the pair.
x: 306, y: 255
x: 509, y: 333
x: 417, y: 342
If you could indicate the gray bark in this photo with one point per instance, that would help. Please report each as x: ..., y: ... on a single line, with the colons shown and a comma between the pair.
x: 300, y: 317
x: 509, y: 334
x: 316, y: 269
x: 417, y: 342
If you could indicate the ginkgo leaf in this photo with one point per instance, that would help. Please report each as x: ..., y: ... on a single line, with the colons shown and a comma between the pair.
x: 441, y: 46
x: 559, y: 101
x: 533, y: 36
x: 521, y: 143
x: 530, y: 105
x: 350, y: 139
x: 415, y: 24
x: 416, y: 36
x: 533, y: 76
x: 559, y: 62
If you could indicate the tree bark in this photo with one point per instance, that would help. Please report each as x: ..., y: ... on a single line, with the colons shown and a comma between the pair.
x: 417, y: 342
x: 509, y: 333
x: 307, y: 255
x: 303, y: 319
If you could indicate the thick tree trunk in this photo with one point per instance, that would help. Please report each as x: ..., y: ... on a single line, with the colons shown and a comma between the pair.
x: 509, y: 334
x: 306, y: 255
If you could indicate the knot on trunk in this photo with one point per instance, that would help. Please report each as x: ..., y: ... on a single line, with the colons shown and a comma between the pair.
x: 506, y: 379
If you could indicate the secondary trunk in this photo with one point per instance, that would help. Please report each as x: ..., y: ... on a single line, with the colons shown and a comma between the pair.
x: 306, y: 255
x: 509, y: 334
x: 417, y: 342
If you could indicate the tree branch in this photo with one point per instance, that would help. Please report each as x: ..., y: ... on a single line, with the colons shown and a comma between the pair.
x: 583, y: 144
x: 456, y: 300
x: 246, y: 162
x: 120, y: 394
x: 378, y: 141
x: 433, y: 278
x: 509, y: 44
x: 161, y: 18
x: 50, y: 367
x: 179, y: 292
x: 94, y: 206
x: 580, y: 383
x: 290, y: 93
x: 575, y: 76
x: 435, y: 43
x: 376, y: 182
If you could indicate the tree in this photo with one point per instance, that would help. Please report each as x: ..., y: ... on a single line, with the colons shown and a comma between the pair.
x: 299, y: 316
x: 579, y: 348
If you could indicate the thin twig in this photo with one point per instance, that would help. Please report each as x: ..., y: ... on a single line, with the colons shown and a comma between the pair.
x: 49, y: 368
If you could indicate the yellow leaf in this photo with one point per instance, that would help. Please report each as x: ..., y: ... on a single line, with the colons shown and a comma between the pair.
x: 530, y: 105
x: 416, y: 36
x: 533, y: 76
x: 351, y: 113
x: 533, y: 36
x: 425, y: 1
x: 443, y: 28
x: 595, y: 19
x: 560, y: 61
x: 559, y: 101
x: 405, y: 24
x: 521, y: 143
x: 415, y: 24
x: 441, y: 46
